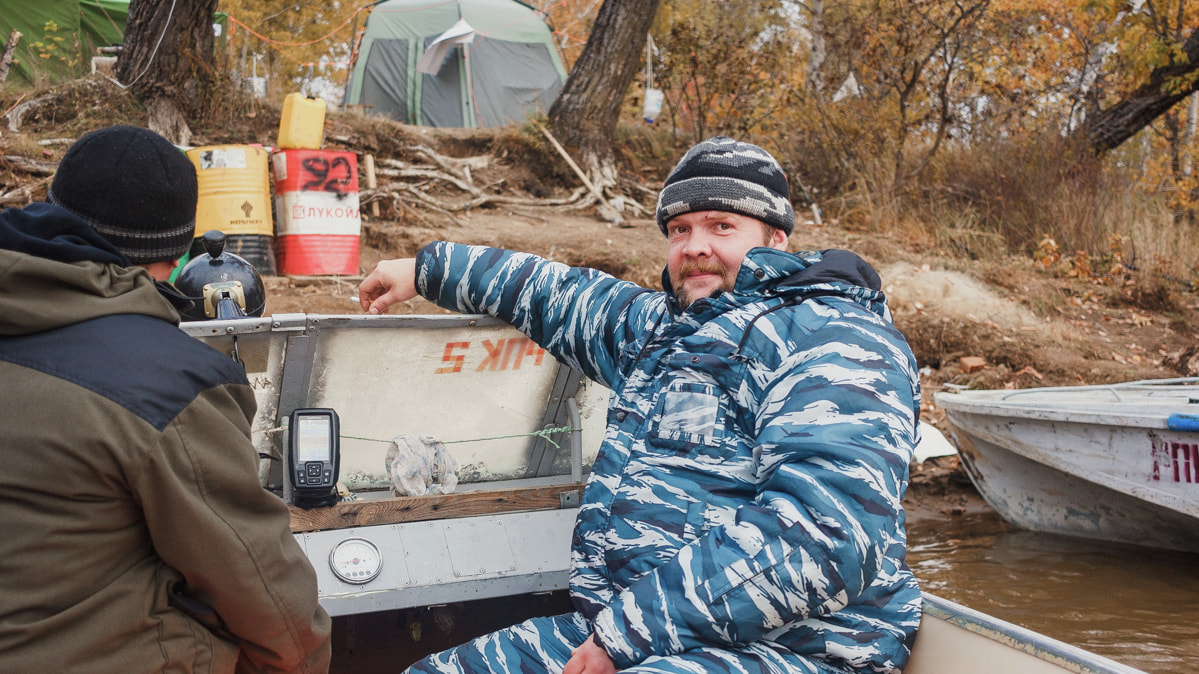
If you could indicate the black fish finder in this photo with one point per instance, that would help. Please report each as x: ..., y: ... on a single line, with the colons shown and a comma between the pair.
x: 314, y: 452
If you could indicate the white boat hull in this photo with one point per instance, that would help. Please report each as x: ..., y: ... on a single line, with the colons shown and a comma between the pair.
x: 493, y: 537
x: 1095, y: 462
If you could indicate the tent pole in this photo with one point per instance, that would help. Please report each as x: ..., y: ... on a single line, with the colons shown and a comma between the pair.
x: 469, y: 100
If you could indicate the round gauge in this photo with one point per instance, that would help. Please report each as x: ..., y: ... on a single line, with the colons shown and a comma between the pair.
x: 356, y: 560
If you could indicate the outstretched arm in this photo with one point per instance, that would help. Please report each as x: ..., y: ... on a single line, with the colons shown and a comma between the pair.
x: 392, y: 281
x: 583, y: 317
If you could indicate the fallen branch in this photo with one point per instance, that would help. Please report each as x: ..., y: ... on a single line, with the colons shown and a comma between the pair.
x: 404, y: 171
x: 34, y: 166
x: 371, y: 180
x: 587, y: 201
x: 21, y: 109
x: 477, y: 201
x: 613, y: 214
x: 432, y: 206
x: 453, y: 164
x: 457, y: 172
x: 22, y: 195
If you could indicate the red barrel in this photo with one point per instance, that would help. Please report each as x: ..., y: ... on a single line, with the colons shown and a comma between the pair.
x: 317, y: 223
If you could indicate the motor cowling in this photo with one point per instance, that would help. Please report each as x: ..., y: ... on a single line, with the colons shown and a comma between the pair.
x: 222, y: 285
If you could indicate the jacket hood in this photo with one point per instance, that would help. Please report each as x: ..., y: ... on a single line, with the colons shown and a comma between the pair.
x: 54, y: 233
x: 54, y: 267
x: 835, y: 268
x: 824, y: 272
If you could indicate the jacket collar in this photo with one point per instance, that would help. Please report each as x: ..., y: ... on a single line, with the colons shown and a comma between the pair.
x: 768, y: 272
x: 56, y: 271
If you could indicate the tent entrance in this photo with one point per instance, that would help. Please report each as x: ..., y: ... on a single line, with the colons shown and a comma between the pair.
x: 470, y: 63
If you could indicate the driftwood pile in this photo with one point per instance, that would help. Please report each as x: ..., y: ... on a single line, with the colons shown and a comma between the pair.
x: 417, y: 180
x: 398, y: 182
x: 426, y: 178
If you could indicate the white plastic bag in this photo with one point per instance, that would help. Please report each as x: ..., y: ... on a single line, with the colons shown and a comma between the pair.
x: 420, y: 464
x: 653, y: 105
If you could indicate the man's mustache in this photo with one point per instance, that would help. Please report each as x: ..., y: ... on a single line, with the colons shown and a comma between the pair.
x: 703, y: 267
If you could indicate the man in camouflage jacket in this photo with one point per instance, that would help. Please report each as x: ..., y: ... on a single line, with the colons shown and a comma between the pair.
x: 743, y: 513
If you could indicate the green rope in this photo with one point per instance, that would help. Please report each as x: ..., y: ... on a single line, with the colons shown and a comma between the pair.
x: 544, y: 433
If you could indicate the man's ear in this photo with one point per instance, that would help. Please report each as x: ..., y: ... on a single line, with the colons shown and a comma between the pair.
x: 778, y: 239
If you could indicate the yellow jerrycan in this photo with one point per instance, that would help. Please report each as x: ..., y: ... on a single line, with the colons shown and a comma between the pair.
x: 302, y: 124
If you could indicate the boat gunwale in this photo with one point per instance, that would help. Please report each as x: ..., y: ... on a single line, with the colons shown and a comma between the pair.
x: 1144, y: 412
x: 1067, y: 656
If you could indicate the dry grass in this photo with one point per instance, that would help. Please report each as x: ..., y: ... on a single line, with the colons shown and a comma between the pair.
x: 987, y: 202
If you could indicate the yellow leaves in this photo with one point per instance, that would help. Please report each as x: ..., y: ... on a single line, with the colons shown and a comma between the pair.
x: 1080, y: 266
x: 1116, y: 243
x: 1143, y: 50
x: 1047, y: 253
x: 297, y: 41
x: 725, y: 67
x: 1139, y: 320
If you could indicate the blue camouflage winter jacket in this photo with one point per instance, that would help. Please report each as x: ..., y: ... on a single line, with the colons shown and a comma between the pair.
x: 749, y: 483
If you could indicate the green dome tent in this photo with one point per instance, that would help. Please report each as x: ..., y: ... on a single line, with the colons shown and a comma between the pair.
x: 59, y: 37
x: 456, y: 63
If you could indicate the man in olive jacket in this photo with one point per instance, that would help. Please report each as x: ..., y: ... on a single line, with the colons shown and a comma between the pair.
x: 136, y: 535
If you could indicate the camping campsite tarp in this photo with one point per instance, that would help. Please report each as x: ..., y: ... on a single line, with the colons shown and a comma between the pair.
x: 490, y: 63
x: 59, y: 37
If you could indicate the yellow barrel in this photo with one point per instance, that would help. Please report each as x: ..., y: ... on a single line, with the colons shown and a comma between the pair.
x: 302, y: 124
x: 234, y: 189
x: 235, y: 198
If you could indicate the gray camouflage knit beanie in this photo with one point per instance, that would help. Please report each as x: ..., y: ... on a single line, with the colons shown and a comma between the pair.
x: 722, y: 174
x: 134, y: 188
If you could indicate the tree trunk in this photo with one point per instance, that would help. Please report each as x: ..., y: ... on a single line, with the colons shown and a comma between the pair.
x: 165, y: 118
x: 815, y: 78
x: 1188, y: 140
x: 6, y: 60
x: 584, y: 115
x: 166, y: 58
x: 1109, y: 128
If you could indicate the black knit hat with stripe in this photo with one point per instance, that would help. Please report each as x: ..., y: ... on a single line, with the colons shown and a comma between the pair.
x: 133, y: 187
x: 722, y: 174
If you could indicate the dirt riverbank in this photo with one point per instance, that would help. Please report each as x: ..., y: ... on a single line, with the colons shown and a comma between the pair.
x: 1028, y: 327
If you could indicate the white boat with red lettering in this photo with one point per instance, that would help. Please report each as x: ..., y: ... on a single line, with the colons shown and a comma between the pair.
x: 495, y: 549
x: 1116, y: 462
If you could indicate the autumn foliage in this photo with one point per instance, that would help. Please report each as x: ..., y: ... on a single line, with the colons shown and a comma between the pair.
x: 963, y: 123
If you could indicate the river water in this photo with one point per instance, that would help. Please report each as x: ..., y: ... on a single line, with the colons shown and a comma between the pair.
x: 1134, y: 605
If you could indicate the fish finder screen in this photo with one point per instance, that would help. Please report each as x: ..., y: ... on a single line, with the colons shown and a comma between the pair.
x: 313, y: 440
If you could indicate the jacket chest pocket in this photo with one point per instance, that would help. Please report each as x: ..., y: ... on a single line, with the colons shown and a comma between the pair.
x: 691, y: 418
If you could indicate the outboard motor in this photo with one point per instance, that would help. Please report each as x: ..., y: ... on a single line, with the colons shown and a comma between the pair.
x: 222, y: 285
